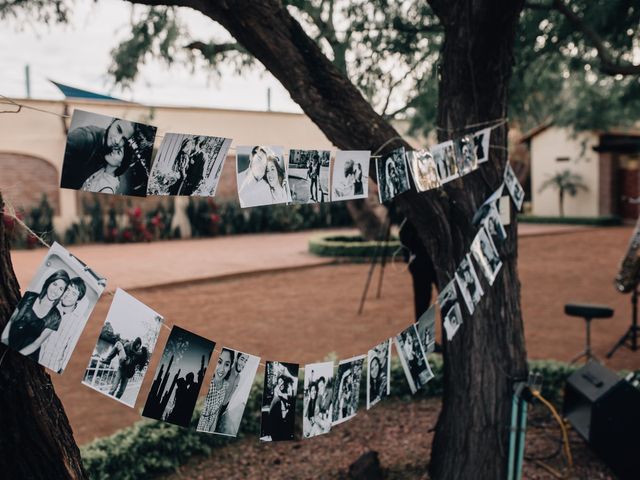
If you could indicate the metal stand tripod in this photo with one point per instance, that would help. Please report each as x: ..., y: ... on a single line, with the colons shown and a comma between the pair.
x: 630, y: 338
x: 380, y: 252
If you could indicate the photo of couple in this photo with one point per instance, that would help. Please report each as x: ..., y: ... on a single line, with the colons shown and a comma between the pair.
x: 469, y: 284
x: 486, y: 255
x: 393, y: 177
x: 513, y: 185
x: 262, y: 176
x: 350, y: 178
x: 107, y: 155
x: 54, y: 310
x: 228, y: 393
x: 188, y: 165
x: 426, y: 326
x: 423, y: 168
x: 378, y: 373
x: 465, y: 155
x: 308, y: 172
x: 279, y: 401
x: 413, y: 358
x: 445, y: 157
x: 318, y: 399
x: 450, y: 311
x: 346, y: 396
x: 121, y: 355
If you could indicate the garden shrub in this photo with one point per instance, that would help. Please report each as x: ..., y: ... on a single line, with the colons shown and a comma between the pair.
x: 351, y: 246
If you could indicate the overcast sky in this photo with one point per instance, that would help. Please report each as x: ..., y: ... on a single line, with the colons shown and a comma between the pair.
x: 78, y: 54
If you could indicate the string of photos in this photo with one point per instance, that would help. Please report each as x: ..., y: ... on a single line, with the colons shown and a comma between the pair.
x: 52, y: 314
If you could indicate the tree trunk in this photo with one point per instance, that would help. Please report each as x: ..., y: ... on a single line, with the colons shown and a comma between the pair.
x: 36, y: 441
x: 561, y: 202
x: 488, y: 353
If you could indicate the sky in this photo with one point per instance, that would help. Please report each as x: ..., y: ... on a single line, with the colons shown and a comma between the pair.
x: 78, y: 54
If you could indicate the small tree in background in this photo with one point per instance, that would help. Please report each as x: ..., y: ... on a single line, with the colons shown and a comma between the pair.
x: 564, y: 182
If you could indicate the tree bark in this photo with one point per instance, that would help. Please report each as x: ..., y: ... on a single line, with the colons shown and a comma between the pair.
x: 488, y: 353
x: 36, y: 441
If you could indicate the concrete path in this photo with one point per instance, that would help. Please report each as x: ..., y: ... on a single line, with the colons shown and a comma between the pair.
x: 139, y: 265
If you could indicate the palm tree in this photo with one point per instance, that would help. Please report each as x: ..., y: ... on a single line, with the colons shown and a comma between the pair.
x: 565, y: 182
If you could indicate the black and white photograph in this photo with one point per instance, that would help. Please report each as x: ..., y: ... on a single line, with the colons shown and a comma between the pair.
x: 465, y: 155
x: 486, y: 255
x: 262, y: 176
x: 188, y: 165
x: 346, y: 394
x: 493, y: 224
x: 378, y: 373
x: 424, y: 170
x: 450, y: 310
x: 279, y: 401
x: 413, y: 358
x: 318, y: 399
x: 107, y: 155
x: 513, y: 185
x: 393, y: 175
x: 426, y: 326
x: 481, y: 144
x: 445, y: 157
x: 228, y: 392
x: 350, y: 178
x: 178, y: 378
x: 309, y: 175
x: 54, y: 309
x: 121, y: 356
x: 469, y: 284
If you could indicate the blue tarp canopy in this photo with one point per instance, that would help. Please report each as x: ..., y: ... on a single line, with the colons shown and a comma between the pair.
x: 73, y: 92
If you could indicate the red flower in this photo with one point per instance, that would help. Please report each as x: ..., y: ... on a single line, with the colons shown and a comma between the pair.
x: 137, y: 212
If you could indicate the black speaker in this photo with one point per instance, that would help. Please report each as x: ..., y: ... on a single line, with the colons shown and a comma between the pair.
x: 605, y: 410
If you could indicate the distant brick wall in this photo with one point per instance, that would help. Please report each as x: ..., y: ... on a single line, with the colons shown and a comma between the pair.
x: 24, y: 179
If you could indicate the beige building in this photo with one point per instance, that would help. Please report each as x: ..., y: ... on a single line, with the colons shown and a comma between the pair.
x: 606, y: 161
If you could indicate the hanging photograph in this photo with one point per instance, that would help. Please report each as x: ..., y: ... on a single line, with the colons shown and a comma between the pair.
x: 54, y: 309
x: 445, y: 157
x: 262, y: 176
x: 450, y: 311
x: 465, y: 155
x: 350, y: 178
x: 494, y: 226
x: 346, y: 394
x: 279, y: 401
x: 426, y: 326
x: 481, y: 144
x: 513, y: 185
x: 318, y: 399
x: 107, y: 155
x: 413, y: 358
x: 424, y: 170
x: 121, y: 356
x: 178, y: 378
x: 469, y: 284
x: 188, y: 165
x: 309, y: 175
x: 392, y: 175
x: 228, y: 393
x: 486, y: 255
x: 378, y: 373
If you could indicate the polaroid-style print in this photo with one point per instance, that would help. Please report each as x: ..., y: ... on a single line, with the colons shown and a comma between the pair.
x: 450, y: 310
x: 504, y: 209
x: 308, y: 172
x: 228, y: 393
x: 424, y: 170
x: 350, y: 179
x: 107, y: 155
x: 481, y: 144
x: 469, y: 284
x: 465, y: 155
x: 486, y: 255
x: 426, y: 326
x: 54, y: 309
x: 445, y: 157
x: 378, y: 373
x: 262, y: 176
x: 392, y: 173
x: 346, y: 394
x: 413, y: 358
x: 493, y: 224
x: 178, y: 378
x: 318, y: 399
x: 513, y: 185
x: 279, y: 401
x: 121, y: 356
x: 188, y: 165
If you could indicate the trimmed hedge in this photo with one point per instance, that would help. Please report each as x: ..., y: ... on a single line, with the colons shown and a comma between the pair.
x: 350, y: 246
x: 149, y: 448
x: 605, y: 221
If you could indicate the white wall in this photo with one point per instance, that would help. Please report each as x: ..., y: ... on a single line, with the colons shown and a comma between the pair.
x: 551, y: 144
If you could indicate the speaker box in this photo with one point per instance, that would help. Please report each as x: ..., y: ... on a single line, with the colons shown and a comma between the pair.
x: 605, y: 410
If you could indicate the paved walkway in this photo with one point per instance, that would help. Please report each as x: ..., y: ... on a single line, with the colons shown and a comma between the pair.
x: 138, y: 265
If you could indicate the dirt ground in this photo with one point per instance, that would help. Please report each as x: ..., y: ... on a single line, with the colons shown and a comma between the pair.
x: 303, y: 315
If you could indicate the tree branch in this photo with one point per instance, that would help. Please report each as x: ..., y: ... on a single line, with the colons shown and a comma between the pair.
x: 211, y: 50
